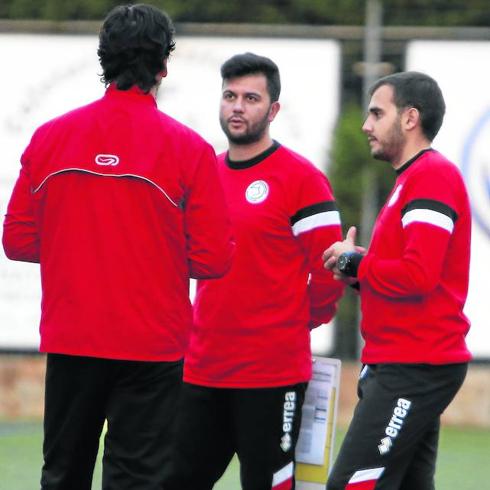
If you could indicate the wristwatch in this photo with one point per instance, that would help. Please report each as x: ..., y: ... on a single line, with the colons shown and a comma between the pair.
x: 348, y: 263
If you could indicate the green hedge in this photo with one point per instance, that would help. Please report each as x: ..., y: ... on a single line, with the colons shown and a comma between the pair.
x: 327, y: 12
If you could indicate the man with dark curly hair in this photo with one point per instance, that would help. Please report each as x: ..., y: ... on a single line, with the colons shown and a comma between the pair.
x: 121, y: 205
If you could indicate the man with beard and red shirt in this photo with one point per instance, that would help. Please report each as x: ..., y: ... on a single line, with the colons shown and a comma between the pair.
x: 413, y: 283
x: 249, y: 358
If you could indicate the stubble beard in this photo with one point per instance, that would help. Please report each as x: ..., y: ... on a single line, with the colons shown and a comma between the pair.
x: 253, y: 133
x: 393, y: 144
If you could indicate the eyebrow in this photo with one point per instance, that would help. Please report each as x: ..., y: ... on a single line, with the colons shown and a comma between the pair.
x: 246, y: 94
x: 374, y: 109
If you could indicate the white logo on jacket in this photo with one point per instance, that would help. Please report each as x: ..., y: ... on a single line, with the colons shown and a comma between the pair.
x: 257, y: 192
x: 106, y: 159
x: 394, y: 197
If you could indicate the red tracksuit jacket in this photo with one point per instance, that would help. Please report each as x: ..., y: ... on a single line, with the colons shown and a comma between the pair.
x: 121, y: 205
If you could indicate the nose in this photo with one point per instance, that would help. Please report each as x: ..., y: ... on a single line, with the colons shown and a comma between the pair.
x: 366, y: 127
x: 238, y: 105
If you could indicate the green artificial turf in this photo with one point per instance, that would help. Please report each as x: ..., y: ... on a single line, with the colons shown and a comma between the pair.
x: 463, y: 463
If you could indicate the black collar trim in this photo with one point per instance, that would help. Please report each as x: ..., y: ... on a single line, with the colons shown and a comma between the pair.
x: 412, y: 160
x: 242, y: 164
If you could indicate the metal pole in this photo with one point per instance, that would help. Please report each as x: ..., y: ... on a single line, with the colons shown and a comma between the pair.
x: 372, y: 45
x: 372, y: 58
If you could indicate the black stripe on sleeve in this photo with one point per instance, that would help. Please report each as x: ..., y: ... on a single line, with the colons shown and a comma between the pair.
x: 320, y: 207
x: 438, y: 206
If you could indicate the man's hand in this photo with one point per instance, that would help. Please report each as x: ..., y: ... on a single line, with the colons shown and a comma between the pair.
x: 332, y: 253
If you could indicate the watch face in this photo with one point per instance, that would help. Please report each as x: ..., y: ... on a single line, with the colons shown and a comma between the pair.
x: 342, y: 262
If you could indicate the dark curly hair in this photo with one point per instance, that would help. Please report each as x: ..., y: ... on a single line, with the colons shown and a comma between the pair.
x: 134, y: 42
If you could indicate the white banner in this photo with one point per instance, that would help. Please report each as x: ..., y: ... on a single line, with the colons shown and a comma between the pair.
x: 462, y: 70
x: 46, y: 75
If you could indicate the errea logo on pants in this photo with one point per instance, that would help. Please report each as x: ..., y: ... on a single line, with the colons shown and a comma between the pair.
x: 288, y: 419
x: 395, y: 425
x: 106, y: 159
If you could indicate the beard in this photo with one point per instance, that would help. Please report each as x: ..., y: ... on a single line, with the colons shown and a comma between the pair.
x: 253, y: 131
x: 392, y: 144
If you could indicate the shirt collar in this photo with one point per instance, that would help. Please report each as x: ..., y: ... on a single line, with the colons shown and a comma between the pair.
x: 242, y: 164
x: 412, y: 160
x: 132, y: 94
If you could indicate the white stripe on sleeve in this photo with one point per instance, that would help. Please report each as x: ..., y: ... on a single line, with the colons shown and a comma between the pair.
x: 428, y: 216
x: 327, y: 218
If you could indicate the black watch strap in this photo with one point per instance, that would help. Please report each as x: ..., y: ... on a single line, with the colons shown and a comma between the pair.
x: 355, y: 260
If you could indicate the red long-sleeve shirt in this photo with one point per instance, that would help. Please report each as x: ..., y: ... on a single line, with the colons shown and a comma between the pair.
x: 252, y: 327
x: 414, y: 278
x: 120, y: 204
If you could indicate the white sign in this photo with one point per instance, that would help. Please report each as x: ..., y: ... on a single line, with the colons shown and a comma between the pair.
x: 46, y: 75
x: 463, y: 73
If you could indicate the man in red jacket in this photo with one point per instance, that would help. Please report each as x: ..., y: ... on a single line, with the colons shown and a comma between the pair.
x: 121, y: 205
x: 249, y: 357
x: 413, y: 283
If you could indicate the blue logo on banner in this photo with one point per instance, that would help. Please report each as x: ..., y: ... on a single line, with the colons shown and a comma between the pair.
x: 475, y: 166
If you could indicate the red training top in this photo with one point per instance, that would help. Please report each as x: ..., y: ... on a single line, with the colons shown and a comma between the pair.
x: 120, y: 204
x: 252, y: 327
x: 414, y: 278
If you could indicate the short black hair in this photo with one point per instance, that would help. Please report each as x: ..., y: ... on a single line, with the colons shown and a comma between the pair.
x: 244, y: 64
x: 134, y: 41
x: 418, y: 90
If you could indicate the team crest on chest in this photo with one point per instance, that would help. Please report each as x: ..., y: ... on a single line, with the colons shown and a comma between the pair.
x: 257, y: 192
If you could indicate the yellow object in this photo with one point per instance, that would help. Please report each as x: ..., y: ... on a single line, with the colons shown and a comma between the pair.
x: 314, y: 476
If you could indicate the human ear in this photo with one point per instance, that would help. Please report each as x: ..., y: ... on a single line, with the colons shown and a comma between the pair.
x: 163, y: 72
x: 274, y: 109
x: 411, y: 118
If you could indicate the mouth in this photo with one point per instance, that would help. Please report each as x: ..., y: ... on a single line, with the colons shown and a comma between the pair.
x: 236, y: 122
